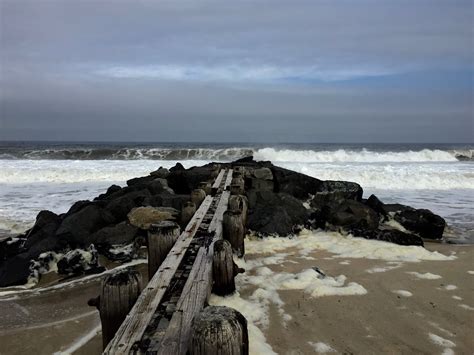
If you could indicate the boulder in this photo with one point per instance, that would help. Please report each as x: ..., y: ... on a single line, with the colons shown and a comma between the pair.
x: 293, y: 183
x: 263, y: 174
x: 167, y: 200
x: 16, y: 271
x: 76, y: 228
x: 78, y: 261
x: 46, y: 225
x: 331, y: 192
x: 390, y: 235
x: 115, y: 234
x: 276, y: 214
x: 160, y: 173
x: 351, y: 214
x: 184, y: 181
x: 377, y: 205
x: 422, y: 222
x: 143, y: 217
x: 158, y: 186
x: 111, y: 190
x: 121, y: 206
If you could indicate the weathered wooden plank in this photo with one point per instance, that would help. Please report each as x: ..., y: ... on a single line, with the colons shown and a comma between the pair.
x: 132, y: 329
x: 196, y: 290
x: 218, y: 181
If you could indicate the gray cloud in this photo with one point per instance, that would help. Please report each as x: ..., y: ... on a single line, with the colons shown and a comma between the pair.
x: 241, y: 71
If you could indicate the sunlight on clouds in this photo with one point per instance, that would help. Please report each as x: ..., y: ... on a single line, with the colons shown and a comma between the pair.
x: 234, y: 73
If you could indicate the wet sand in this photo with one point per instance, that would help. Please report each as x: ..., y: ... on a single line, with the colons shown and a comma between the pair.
x: 380, y: 321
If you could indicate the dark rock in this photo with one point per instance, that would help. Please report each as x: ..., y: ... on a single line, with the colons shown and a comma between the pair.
x: 248, y: 159
x: 115, y: 234
x: 111, y: 190
x: 76, y: 228
x: 45, y: 226
x: 16, y: 271
x: 423, y: 222
x: 293, y: 183
x: 160, y: 173
x: 77, y: 262
x: 331, y: 192
x: 167, y: 200
x: 390, y: 235
x: 121, y: 206
x: 77, y: 206
x: 140, y: 180
x: 177, y: 167
x: 184, y: 181
x: 10, y: 246
x: 351, y: 214
x: 377, y: 205
x: 159, y: 185
x: 278, y: 214
x: 392, y: 208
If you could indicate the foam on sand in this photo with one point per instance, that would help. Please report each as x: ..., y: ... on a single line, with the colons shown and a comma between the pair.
x: 436, y: 339
x: 465, y: 306
x: 425, y: 276
x: 343, y: 246
x: 321, y: 348
x: 403, y: 293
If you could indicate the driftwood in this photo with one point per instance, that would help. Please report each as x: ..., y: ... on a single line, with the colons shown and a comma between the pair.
x: 234, y: 231
x: 161, y: 238
x: 219, y: 330
x: 119, y: 291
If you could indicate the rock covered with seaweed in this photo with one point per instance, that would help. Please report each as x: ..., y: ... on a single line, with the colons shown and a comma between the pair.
x: 280, y: 202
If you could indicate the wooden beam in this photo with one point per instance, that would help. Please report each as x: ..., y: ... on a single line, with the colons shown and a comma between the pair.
x: 197, y: 288
x: 132, y: 329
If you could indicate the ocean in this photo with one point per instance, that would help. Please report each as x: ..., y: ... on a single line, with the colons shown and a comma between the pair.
x: 38, y: 175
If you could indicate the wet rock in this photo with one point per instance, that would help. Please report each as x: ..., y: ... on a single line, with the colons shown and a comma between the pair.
x: 377, y: 205
x: 276, y: 214
x: 76, y: 228
x: 115, y: 234
x: 142, y: 217
x: 16, y: 271
x: 422, y: 222
x: 184, y: 181
x: 46, y: 225
x: 160, y: 173
x: 111, y: 190
x: 78, y: 261
x: 263, y: 174
x: 331, y: 192
x: 121, y: 206
x: 293, y: 183
x: 351, y: 214
x: 390, y: 235
x: 167, y: 200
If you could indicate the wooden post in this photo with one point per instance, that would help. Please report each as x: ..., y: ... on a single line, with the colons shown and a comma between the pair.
x: 238, y: 181
x: 206, y: 186
x: 238, y: 170
x: 161, y: 238
x: 197, y: 196
x: 239, y: 203
x: 187, y: 212
x: 233, y: 231
x: 224, y: 269
x: 119, y: 291
x: 219, y: 330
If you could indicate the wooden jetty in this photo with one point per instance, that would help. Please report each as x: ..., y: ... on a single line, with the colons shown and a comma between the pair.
x: 170, y: 315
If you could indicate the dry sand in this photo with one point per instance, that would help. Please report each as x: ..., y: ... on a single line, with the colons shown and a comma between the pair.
x: 379, y: 322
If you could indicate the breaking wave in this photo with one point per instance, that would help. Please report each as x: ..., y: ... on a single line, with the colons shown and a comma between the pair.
x: 228, y: 154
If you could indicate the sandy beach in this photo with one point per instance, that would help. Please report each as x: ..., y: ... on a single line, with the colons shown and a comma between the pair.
x: 407, y: 307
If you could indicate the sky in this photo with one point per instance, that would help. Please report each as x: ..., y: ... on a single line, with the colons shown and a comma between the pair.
x: 237, y: 71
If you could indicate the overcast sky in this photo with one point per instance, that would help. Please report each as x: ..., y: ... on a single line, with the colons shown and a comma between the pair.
x: 237, y: 71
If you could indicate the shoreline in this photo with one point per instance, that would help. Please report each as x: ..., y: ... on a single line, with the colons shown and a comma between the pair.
x: 315, y: 320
